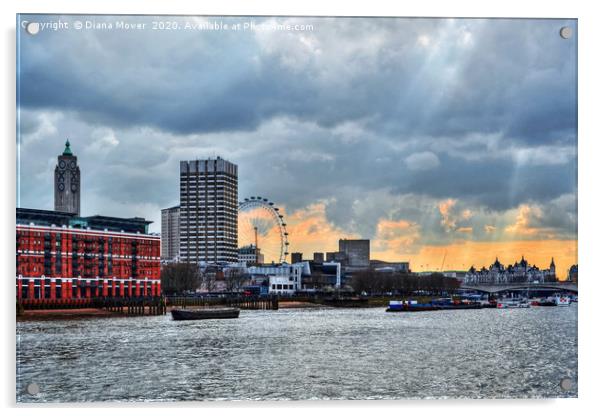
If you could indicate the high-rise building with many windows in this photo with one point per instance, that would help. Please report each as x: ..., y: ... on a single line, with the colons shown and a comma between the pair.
x: 208, y: 211
x: 170, y: 233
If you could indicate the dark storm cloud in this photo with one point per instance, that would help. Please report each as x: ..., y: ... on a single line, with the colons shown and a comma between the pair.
x: 374, y: 116
x: 508, y: 76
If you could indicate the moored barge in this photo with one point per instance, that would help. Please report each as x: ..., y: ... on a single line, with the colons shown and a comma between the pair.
x: 209, y: 313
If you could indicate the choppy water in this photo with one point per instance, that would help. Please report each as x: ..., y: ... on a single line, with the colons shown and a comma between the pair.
x: 302, y: 354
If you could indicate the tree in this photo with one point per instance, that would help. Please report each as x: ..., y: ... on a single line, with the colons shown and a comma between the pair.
x: 180, y: 277
x: 374, y: 282
x: 208, y: 280
x: 234, y: 278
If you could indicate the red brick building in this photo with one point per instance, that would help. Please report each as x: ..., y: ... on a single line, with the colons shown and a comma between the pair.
x: 62, y: 257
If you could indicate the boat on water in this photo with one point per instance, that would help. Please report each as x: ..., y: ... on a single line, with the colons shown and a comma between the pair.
x: 513, y: 303
x: 543, y: 302
x: 449, y: 303
x: 209, y: 313
x: 435, y: 305
x: 409, y: 306
x: 488, y: 304
x: 562, y: 301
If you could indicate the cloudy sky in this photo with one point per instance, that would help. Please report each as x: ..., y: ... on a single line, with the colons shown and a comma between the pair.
x: 434, y: 138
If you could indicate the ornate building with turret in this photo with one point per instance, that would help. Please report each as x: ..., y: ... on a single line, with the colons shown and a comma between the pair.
x: 519, y: 272
x: 67, y: 183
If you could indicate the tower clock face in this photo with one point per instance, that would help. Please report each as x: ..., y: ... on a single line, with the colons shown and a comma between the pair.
x: 72, y: 164
x: 62, y: 164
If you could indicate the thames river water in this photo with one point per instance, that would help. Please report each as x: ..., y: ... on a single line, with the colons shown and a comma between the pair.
x: 302, y: 354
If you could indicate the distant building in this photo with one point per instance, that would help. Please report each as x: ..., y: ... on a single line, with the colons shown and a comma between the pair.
x: 67, y: 183
x: 320, y: 276
x: 170, y: 233
x: 250, y: 255
x: 61, y: 256
x: 387, y: 266
x: 356, y: 252
x: 519, y: 272
x: 573, y: 271
x: 282, y: 279
x: 319, y: 257
x: 335, y: 256
x: 209, y: 211
x: 296, y: 258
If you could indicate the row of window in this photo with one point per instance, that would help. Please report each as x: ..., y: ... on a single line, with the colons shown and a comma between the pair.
x: 282, y: 287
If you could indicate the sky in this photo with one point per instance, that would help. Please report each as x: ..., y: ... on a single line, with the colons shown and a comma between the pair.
x: 446, y: 142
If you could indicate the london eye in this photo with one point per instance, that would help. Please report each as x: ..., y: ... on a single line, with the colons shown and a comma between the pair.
x: 262, y: 225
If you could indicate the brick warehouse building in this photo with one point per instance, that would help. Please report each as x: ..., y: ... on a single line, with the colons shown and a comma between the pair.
x: 62, y: 257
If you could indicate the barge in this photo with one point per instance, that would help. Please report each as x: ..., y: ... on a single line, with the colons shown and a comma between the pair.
x: 213, y: 313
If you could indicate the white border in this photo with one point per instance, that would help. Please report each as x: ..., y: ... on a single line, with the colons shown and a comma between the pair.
x: 589, y: 195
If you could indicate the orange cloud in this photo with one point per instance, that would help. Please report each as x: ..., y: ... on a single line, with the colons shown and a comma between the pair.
x: 523, y: 225
x: 309, y: 231
x: 467, y: 214
x: 394, y: 238
x: 462, y: 255
x: 445, y: 208
x: 490, y: 229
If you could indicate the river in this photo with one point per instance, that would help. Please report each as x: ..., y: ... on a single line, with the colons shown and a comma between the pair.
x: 302, y: 354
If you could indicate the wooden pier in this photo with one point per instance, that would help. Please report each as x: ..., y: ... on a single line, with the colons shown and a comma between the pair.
x: 136, y: 306
x: 241, y: 302
x: 149, y: 305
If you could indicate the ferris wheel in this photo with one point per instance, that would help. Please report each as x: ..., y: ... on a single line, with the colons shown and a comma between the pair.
x: 262, y: 225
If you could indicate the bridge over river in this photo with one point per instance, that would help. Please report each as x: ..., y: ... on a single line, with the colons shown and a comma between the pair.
x: 488, y: 288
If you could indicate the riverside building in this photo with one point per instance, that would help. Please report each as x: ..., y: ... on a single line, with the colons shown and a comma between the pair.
x: 209, y: 211
x: 519, y: 272
x: 170, y: 233
x: 62, y: 257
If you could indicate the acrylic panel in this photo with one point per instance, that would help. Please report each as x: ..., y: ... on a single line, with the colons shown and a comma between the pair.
x: 295, y: 208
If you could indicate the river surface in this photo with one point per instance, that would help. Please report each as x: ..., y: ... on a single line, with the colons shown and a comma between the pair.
x: 302, y: 354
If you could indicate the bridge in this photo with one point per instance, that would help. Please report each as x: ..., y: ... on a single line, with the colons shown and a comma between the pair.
x: 489, y: 288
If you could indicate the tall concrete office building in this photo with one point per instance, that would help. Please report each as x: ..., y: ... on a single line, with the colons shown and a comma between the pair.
x: 356, y: 252
x: 170, y: 233
x: 67, y: 183
x: 208, y: 211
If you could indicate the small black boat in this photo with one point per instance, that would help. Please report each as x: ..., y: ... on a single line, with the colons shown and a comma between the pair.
x: 193, y: 314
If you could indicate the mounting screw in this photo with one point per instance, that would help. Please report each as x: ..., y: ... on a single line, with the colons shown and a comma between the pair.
x: 32, y: 28
x: 33, y: 389
x: 566, y: 32
x: 566, y: 384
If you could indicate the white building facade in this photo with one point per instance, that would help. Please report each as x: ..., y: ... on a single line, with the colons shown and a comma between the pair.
x: 519, y: 272
x: 283, y: 278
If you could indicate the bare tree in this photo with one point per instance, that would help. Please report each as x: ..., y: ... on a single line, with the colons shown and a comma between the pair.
x: 208, y: 279
x: 234, y: 278
x: 179, y: 277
